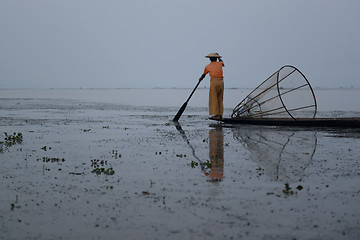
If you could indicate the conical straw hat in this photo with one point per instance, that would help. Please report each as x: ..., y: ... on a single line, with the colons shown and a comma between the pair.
x: 213, y: 55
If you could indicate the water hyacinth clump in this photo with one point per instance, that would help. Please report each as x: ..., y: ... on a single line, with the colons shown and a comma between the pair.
x: 99, y: 168
x: 98, y: 171
x: 10, y: 140
x: 51, y: 159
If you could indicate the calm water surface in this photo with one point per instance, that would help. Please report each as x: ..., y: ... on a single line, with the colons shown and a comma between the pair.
x: 327, y: 99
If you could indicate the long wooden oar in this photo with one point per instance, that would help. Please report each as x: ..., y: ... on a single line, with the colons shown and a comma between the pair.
x: 182, y: 109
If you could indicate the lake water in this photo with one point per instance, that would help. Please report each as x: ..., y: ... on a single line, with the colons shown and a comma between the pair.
x: 328, y: 100
x: 197, y: 180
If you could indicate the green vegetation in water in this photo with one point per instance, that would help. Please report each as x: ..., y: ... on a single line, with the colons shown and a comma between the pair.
x: 96, y: 163
x: 99, y: 168
x: 115, y: 154
x: 51, y: 159
x: 194, y: 164
x: 288, y: 191
x: 10, y: 140
x: 15, y: 205
x: 45, y: 148
x: 98, y: 171
x: 206, y: 164
x: 260, y: 171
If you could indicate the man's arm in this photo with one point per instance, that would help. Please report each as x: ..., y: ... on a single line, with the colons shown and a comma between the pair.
x: 202, y: 77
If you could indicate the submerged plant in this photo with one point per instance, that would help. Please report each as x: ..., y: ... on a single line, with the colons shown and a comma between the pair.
x: 206, y: 165
x: 51, y: 159
x: 288, y: 190
x: 97, y: 163
x: 115, y: 154
x: 99, y: 168
x: 10, y: 140
x: 194, y: 164
x: 99, y: 171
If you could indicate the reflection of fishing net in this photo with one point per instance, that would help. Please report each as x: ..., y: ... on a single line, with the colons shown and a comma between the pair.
x: 286, y: 93
x: 283, y: 155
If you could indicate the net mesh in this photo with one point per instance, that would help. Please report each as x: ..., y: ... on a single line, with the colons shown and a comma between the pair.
x: 285, y: 94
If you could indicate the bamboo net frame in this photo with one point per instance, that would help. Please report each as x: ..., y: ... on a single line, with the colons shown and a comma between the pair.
x: 286, y: 93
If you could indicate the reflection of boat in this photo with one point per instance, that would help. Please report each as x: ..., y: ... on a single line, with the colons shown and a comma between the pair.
x: 282, y: 155
x: 301, y: 122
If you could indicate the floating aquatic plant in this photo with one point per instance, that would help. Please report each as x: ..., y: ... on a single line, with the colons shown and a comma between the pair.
x: 10, y: 140
x: 194, y: 164
x: 99, y: 168
x: 45, y: 148
x: 51, y: 159
x: 288, y: 190
x: 115, y: 154
x: 206, y: 165
x: 97, y: 163
x: 99, y: 171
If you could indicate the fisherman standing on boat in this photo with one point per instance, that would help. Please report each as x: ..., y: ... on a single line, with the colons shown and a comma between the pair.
x: 216, y: 91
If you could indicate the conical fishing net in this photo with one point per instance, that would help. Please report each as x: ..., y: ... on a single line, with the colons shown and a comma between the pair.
x: 285, y: 94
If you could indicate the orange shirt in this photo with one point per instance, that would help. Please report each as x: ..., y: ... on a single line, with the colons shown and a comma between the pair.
x: 214, y: 69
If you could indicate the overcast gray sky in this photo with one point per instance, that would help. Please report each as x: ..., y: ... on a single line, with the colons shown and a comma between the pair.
x: 162, y: 43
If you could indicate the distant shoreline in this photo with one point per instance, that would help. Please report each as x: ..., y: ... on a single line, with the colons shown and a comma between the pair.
x: 155, y: 88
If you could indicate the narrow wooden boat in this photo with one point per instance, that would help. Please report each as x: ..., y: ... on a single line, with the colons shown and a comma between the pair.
x: 300, y: 122
x: 286, y: 98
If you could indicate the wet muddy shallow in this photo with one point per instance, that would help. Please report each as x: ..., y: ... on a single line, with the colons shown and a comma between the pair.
x: 99, y: 170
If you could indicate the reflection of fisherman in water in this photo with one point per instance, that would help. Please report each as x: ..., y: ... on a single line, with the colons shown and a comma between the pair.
x: 216, y: 154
